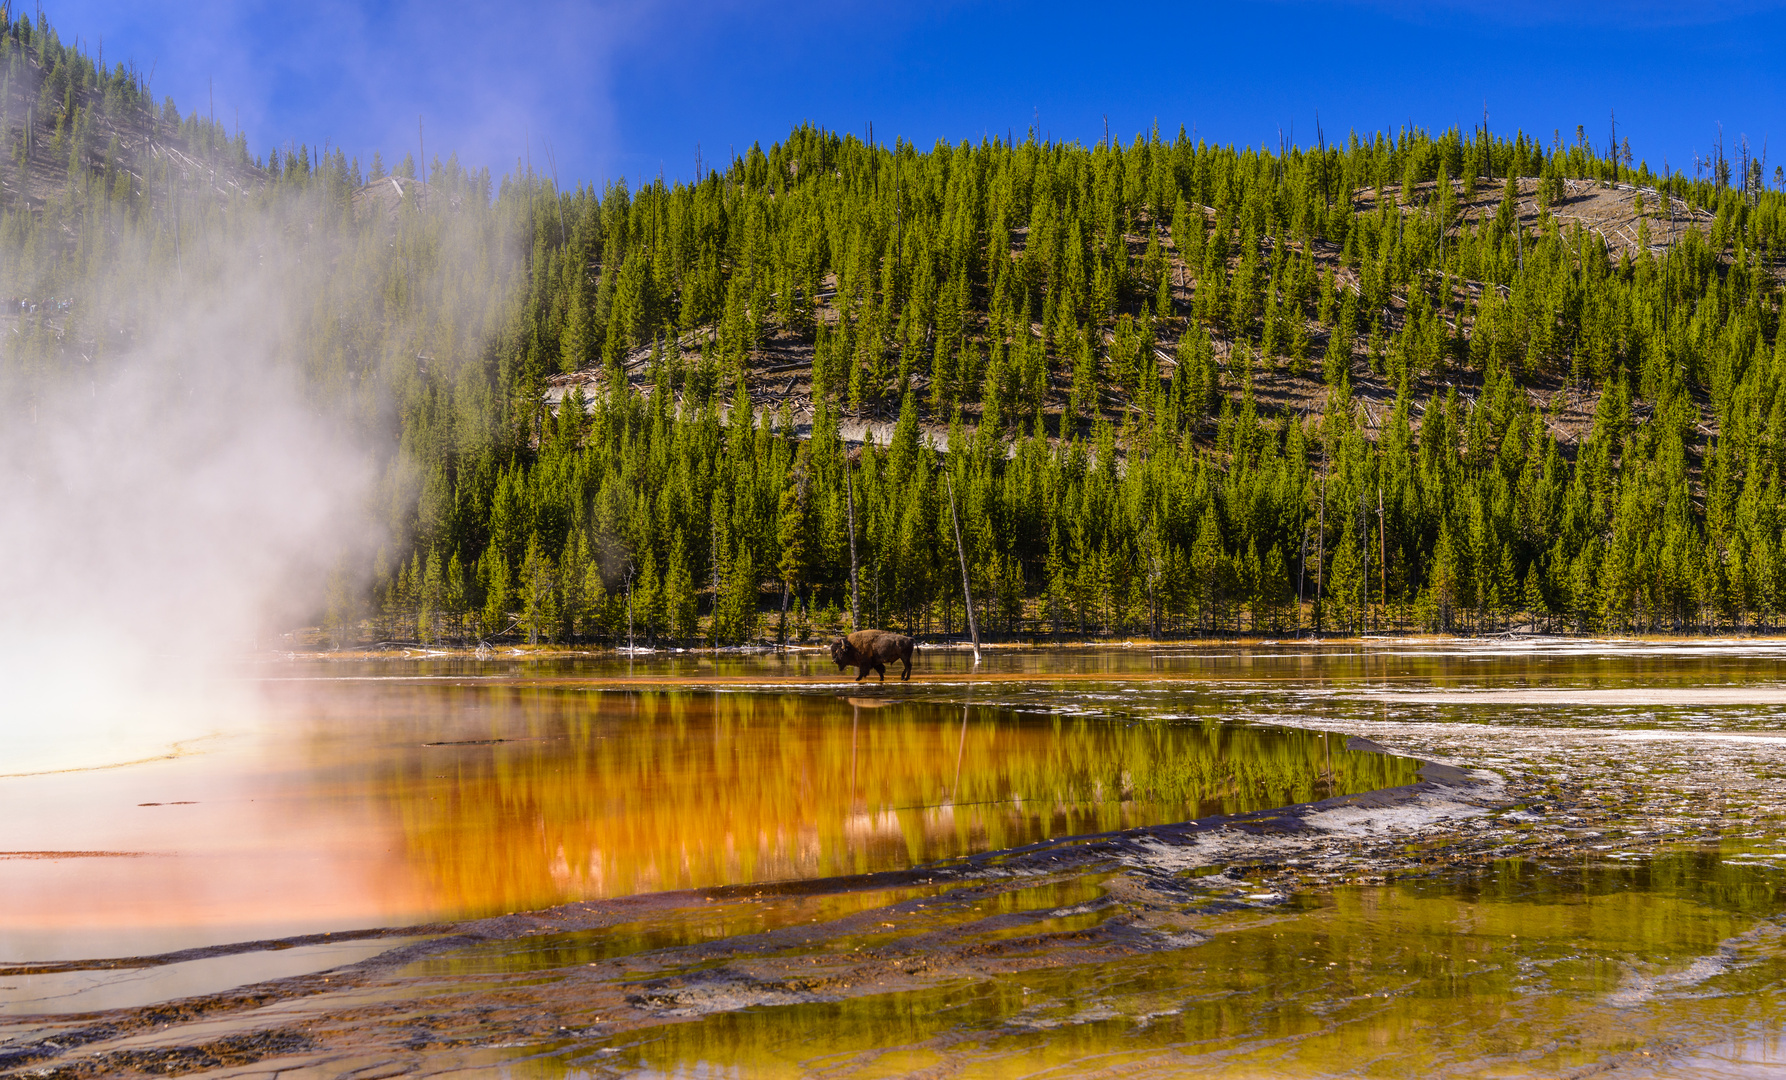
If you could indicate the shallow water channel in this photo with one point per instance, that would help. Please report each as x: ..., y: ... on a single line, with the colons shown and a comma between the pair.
x: 1281, y: 860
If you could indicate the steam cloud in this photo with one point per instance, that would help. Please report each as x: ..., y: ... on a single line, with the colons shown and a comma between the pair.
x: 163, y: 506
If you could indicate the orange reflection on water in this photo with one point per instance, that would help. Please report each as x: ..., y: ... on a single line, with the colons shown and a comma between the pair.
x: 527, y: 796
x: 349, y: 804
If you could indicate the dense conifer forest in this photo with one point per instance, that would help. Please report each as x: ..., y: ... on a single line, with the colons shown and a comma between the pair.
x: 1397, y: 382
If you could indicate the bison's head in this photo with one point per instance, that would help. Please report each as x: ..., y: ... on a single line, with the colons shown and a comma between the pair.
x: 842, y: 653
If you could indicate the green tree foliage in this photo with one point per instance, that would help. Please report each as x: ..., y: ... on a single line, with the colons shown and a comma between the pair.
x: 1173, y: 382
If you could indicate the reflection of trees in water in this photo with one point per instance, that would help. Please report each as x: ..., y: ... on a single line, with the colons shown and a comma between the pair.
x: 621, y: 793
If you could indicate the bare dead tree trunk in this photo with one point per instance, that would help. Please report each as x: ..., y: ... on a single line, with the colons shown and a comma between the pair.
x: 1382, y: 552
x: 1321, y: 545
x: 855, y: 579
x: 961, y: 554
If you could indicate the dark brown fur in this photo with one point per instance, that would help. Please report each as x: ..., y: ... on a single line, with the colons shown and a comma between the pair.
x: 873, y: 649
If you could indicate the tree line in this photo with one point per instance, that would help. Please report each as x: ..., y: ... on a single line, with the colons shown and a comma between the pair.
x: 1165, y: 388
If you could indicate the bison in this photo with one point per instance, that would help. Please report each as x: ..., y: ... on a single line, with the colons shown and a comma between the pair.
x: 873, y: 649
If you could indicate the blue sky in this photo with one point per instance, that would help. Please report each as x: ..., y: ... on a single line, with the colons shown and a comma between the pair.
x: 600, y: 90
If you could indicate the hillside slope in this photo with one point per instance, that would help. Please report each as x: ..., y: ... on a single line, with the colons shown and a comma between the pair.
x: 1446, y: 380
x: 1627, y: 219
x: 71, y: 124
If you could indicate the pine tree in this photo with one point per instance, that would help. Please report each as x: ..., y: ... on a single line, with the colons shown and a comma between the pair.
x: 493, y: 568
x: 540, y: 613
x: 1346, y: 579
x: 679, y: 594
x: 647, y: 596
x: 791, y: 535
x: 737, y: 614
x: 577, y: 348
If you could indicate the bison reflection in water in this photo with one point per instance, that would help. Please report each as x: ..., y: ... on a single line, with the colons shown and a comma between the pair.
x: 873, y: 649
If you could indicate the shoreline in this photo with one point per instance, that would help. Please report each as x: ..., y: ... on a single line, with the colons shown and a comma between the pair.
x: 515, y: 650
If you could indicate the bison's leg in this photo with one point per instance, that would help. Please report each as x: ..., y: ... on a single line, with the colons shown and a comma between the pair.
x: 906, y: 676
x: 861, y: 672
x: 881, y: 670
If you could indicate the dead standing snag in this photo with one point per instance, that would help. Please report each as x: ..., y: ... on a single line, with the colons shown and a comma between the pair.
x: 873, y: 649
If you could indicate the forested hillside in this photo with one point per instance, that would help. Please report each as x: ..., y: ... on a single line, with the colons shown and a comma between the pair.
x: 1406, y: 381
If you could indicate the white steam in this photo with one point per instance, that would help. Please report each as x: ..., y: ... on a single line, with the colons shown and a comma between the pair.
x: 158, y: 517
